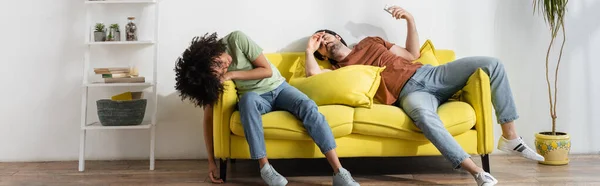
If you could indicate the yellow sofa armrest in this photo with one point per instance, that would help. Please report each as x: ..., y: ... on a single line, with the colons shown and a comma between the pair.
x: 444, y: 56
x: 477, y: 93
x: 222, y: 112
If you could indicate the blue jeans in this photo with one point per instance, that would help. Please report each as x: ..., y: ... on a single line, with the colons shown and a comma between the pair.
x: 430, y: 86
x: 285, y: 97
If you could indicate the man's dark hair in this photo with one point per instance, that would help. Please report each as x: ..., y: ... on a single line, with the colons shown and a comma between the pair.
x: 319, y: 56
x: 195, y: 71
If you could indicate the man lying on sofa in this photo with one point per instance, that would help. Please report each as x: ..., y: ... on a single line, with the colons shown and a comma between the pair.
x: 419, y: 89
x: 209, y: 61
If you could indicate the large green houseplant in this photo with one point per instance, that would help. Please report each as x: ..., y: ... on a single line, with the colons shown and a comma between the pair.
x: 554, y: 146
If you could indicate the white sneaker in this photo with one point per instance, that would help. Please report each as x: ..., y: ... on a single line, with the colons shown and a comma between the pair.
x: 485, y: 179
x: 272, y: 177
x: 344, y: 178
x: 518, y: 146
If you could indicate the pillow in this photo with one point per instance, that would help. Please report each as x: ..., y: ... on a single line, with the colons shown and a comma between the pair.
x: 300, y: 68
x: 353, y: 85
x: 428, y: 45
x: 428, y: 56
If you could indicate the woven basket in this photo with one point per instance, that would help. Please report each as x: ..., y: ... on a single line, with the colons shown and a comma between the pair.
x: 121, y: 113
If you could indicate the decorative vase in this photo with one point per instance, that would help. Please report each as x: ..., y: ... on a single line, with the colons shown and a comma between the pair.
x: 110, y: 36
x: 117, y: 36
x: 131, y: 30
x: 99, y: 36
x: 114, y: 35
x: 554, y: 148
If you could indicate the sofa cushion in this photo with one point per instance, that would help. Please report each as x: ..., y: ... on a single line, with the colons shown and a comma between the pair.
x: 300, y: 66
x: 428, y: 54
x: 283, y: 125
x: 353, y: 85
x: 390, y: 121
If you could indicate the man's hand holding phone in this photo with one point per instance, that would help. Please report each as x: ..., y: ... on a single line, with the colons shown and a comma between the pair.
x: 398, y: 12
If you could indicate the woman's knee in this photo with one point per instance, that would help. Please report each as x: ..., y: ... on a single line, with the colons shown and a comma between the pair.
x: 305, y: 105
x: 248, y: 99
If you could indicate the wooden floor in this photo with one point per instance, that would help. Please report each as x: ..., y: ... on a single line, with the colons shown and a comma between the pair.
x: 509, y: 170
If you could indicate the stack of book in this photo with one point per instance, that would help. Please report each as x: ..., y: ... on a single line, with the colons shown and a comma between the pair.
x: 118, y: 75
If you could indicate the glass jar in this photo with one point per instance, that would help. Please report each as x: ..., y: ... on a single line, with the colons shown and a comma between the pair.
x: 131, y: 29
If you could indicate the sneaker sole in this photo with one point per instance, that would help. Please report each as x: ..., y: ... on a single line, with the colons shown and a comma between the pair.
x: 284, y: 183
x: 512, y: 152
x: 495, y: 182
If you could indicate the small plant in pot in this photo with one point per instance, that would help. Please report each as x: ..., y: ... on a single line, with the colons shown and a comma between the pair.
x: 100, y: 32
x: 114, y: 33
x: 554, y: 146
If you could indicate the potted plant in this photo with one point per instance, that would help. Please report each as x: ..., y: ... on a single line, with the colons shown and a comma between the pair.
x: 553, y: 145
x: 114, y: 33
x: 100, y: 32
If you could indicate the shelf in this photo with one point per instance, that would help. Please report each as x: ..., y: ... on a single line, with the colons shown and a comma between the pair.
x: 146, y: 43
x: 98, y: 126
x: 118, y: 84
x: 120, y: 2
x: 122, y: 43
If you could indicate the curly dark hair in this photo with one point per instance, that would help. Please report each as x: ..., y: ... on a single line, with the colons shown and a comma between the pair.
x: 319, y: 56
x: 196, y: 75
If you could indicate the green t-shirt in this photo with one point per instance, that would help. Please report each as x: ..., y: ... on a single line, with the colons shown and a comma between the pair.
x: 243, y: 51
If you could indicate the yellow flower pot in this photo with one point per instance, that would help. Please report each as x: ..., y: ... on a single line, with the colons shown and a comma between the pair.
x: 554, y: 148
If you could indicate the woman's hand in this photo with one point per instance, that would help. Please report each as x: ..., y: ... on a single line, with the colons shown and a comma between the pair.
x: 212, y: 171
x: 227, y: 76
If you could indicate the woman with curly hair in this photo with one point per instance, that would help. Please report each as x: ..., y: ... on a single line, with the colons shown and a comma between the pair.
x: 208, y: 62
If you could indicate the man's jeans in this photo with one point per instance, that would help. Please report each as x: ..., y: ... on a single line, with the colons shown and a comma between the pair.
x: 430, y: 86
x: 287, y: 98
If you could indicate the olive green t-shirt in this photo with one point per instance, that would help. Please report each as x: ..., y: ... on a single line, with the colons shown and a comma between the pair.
x: 243, y: 51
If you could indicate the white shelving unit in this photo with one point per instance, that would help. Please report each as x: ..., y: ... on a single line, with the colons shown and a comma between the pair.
x: 122, y: 43
x: 98, y: 126
x: 87, y: 85
x: 119, y: 2
x: 118, y: 84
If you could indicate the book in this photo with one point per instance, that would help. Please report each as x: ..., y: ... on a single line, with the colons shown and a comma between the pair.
x: 119, y: 75
x: 118, y: 70
x: 112, y: 69
x: 123, y: 80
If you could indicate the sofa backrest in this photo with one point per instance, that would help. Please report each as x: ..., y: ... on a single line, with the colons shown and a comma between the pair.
x: 445, y: 56
x: 288, y: 62
x: 291, y: 64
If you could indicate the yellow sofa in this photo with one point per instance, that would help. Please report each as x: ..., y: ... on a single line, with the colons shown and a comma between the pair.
x: 381, y: 131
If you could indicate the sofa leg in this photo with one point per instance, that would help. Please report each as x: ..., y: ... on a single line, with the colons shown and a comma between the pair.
x: 223, y: 169
x: 485, y: 160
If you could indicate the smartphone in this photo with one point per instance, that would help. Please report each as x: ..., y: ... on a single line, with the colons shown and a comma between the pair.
x: 387, y: 9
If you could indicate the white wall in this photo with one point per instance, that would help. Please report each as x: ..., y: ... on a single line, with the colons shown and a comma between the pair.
x: 521, y: 41
x: 42, y: 57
